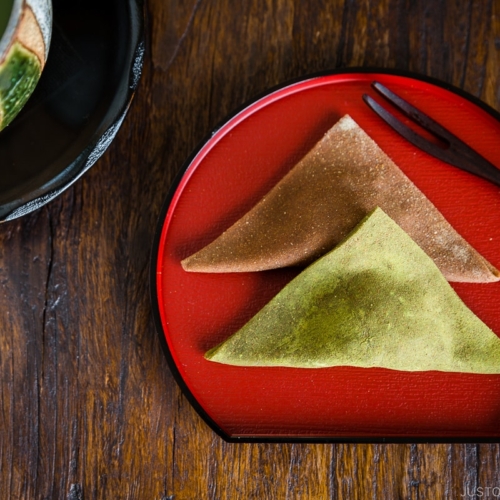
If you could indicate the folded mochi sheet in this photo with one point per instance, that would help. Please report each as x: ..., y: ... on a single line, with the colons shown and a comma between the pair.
x: 342, y: 179
x: 377, y: 300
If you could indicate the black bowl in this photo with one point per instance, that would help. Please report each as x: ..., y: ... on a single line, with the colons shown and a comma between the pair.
x: 92, y: 71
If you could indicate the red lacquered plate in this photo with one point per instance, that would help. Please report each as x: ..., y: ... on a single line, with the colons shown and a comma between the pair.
x: 225, y: 177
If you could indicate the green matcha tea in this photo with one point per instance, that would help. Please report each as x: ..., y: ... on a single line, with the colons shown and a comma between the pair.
x: 5, y: 10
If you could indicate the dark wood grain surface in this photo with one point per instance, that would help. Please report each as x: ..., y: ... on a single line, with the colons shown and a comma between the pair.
x: 88, y: 407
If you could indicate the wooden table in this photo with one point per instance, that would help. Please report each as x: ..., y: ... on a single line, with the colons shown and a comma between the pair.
x: 88, y: 406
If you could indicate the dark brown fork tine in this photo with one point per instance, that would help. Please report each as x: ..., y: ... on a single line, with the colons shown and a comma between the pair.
x: 425, y: 121
x: 457, y: 154
x: 402, y: 129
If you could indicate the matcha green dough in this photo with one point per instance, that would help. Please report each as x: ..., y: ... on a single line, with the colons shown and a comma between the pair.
x: 376, y: 300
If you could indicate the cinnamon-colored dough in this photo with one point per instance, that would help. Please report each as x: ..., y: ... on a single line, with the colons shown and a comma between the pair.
x: 342, y: 179
x: 376, y: 300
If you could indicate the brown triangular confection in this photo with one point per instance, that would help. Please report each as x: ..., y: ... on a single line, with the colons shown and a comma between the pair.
x: 341, y: 180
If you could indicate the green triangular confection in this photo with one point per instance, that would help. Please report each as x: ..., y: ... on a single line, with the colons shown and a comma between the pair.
x: 376, y: 300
